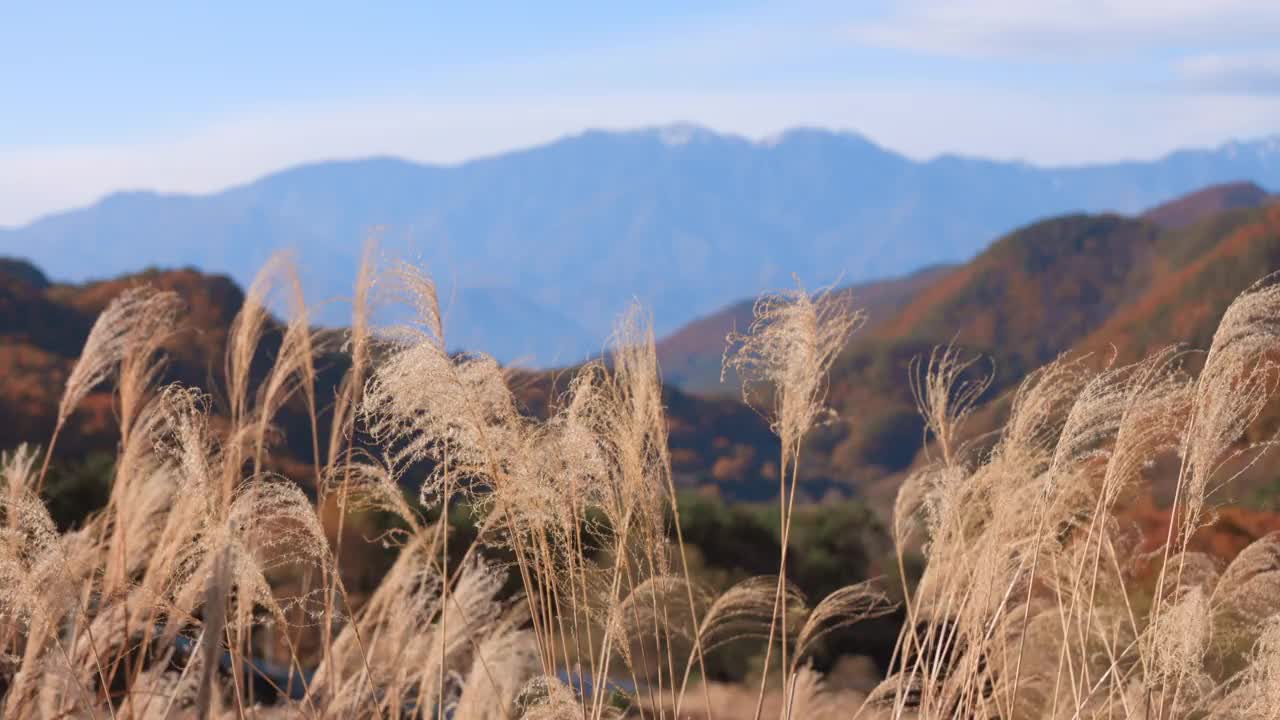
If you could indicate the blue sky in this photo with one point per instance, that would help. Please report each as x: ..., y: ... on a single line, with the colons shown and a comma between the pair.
x: 107, y: 96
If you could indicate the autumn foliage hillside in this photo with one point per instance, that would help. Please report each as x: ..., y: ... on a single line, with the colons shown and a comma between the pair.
x: 1114, y: 287
x: 716, y: 443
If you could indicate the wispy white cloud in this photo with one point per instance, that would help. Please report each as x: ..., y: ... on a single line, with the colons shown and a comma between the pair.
x: 1239, y: 73
x: 919, y: 120
x: 1048, y: 27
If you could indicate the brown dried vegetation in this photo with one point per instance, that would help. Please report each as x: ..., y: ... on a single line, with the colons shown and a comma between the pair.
x: 574, y: 599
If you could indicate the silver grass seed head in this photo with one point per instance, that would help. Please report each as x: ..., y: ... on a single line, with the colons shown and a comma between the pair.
x: 791, y: 343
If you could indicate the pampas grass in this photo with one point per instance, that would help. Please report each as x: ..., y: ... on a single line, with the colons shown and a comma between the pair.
x: 575, y: 598
x: 790, y: 346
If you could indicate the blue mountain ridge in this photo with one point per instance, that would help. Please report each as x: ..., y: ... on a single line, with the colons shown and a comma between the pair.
x: 538, y: 250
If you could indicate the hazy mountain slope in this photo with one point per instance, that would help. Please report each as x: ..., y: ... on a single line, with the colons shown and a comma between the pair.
x: 1197, y: 206
x: 683, y: 219
x: 539, y: 335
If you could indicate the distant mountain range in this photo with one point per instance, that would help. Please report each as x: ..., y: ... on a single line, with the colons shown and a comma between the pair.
x: 538, y: 250
x: 1107, y: 284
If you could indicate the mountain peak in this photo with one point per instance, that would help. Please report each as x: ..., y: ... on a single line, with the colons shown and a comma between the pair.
x: 1191, y: 208
x: 22, y: 271
x: 669, y: 136
x: 1264, y: 147
x: 677, y: 134
x: 127, y: 198
x: 813, y: 133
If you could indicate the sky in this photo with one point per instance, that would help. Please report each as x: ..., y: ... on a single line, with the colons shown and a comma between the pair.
x: 101, y: 97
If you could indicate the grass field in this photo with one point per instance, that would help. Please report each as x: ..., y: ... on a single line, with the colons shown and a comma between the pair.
x: 211, y: 585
